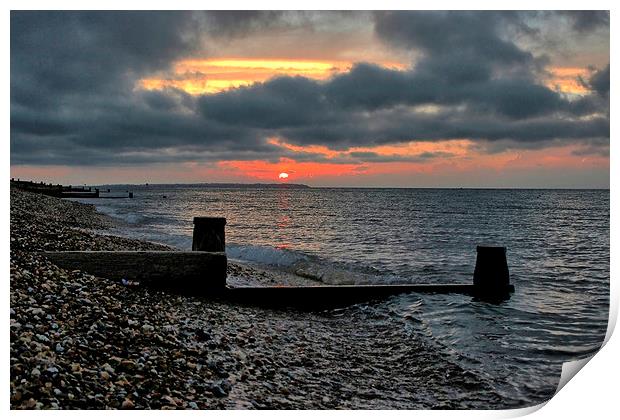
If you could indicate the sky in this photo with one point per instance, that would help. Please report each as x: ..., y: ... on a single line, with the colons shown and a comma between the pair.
x: 361, y: 99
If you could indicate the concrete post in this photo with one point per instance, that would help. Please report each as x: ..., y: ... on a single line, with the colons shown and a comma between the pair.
x: 491, y: 276
x: 209, y: 234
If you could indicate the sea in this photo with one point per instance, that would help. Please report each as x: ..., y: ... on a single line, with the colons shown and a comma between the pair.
x: 557, y: 244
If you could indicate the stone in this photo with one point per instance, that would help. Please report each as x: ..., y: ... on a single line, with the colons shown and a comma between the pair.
x: 219, y: 391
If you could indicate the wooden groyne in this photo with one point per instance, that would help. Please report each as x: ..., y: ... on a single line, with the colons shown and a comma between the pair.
x: 318, y: 297
x: 55, y: 190
x: 202, y: 271
x: 491, y: 280
x: 63, y: 191
x: 195, y: 272
x: 491, y: 284
x: 128, y: 195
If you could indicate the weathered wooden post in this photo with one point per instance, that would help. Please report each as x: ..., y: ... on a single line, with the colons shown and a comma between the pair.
x: 209, y: 234
x: 491, y: 276
x: 193, y: 272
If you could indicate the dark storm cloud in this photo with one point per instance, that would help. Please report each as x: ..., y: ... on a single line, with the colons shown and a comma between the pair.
x: 401, y: 126
x: 471, y: 34
x: 375, y: 157
x: 82, y: 53
x: 372, y: 87
x: 588, y: 20
x: 599, y: 82
x: 371, y: 105
x: 72, y: 89
x: 235, y: 23
x: 279, y: 103
x: 73, y: 96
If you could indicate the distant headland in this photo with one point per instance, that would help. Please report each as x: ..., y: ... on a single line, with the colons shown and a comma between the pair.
x: 58, y: 188
x: 219, y: 185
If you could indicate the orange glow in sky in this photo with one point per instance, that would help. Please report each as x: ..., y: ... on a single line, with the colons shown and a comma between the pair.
x: 458, y: 147
x: 474, y: 168
x: 264, y: 170
x: 566, y: 79
x: 464, y: 163
x: 209, y: 76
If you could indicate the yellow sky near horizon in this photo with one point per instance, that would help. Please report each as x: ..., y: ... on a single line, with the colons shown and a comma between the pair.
x: 209, y: 76
x: 214, y: 75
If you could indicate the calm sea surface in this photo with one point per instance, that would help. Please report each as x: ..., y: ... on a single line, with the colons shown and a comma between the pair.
x: 558, y: 255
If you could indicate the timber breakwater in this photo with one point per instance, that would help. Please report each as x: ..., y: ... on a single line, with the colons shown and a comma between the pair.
x: 66, y: 191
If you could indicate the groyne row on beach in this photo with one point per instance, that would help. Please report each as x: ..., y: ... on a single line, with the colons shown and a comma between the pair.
x: 66, y: 191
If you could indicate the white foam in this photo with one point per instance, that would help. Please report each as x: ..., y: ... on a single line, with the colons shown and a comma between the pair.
x: 131, y: 218
x: 264, y: 255
x: 306, y: 266
x: 332, y: 274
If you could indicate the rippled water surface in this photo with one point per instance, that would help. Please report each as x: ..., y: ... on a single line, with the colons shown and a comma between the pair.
x: 558, y: 254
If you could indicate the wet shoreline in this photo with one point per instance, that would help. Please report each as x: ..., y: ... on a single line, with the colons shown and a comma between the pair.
x: 82, y: 342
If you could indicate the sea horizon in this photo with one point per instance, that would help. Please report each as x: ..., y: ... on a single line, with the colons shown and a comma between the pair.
x: 303, y: 185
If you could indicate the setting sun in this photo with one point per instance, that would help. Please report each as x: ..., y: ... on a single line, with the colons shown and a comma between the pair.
x: 283, y: 175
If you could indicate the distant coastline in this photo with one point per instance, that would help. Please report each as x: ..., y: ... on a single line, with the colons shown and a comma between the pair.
x: 217, y: 185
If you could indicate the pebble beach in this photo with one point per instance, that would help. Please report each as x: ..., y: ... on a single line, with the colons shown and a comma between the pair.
x: 82, y: 342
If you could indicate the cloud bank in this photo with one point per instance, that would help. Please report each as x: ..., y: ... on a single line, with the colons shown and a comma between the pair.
x: 75, y: 101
